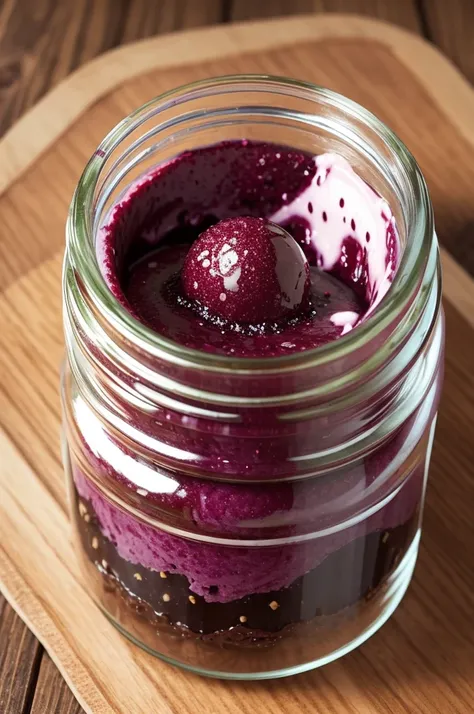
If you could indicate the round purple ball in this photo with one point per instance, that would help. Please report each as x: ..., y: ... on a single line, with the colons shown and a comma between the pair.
x: 247, y: 270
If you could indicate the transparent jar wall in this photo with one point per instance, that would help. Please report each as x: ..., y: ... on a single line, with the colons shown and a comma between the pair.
x: 281, y: 442
x: 287, y: 578
x: 132, y: 476
x: 311, y: 601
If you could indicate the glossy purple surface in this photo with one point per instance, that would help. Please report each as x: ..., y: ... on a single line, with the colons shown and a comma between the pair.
x: 154, y: 293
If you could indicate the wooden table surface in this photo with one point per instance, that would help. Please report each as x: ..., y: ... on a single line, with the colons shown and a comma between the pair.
x: 41, y: 42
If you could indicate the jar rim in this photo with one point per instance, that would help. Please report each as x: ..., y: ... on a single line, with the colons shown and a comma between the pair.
x: 82, y: 249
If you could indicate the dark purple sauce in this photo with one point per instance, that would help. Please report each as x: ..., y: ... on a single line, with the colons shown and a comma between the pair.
x: 154, y: 292
x: 147, y: 240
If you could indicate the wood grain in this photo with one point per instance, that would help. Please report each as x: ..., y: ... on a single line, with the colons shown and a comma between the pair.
x: 42, y: 41
x: 450, y: 25
x: 52, y: 695
x: 403, y: 668
x: 20, y: 656
x: 402, y: 12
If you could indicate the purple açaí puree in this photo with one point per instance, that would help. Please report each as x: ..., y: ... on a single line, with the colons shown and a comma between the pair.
x: 349, y: 238
x: 345, y: 228
x: 238, y: 571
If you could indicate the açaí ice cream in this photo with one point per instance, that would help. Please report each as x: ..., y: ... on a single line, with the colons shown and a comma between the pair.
x: 227, y: 592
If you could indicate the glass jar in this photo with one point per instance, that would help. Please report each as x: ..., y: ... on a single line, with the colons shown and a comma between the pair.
x: 250, y: 518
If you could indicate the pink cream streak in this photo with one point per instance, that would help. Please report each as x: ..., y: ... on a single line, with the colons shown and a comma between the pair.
x: 336, y: 206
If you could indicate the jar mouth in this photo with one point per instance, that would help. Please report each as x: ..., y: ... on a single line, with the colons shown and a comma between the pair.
x: 417, y: 214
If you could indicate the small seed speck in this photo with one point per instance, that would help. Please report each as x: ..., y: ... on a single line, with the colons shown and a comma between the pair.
x: 82, y: 509
x: 166, y: 597
x: 105, y: 564
x: 242, y: 618
x: 95, y: 543
x: 163, y: 574
x: 192, y: 599
x: 274, y: 605
x: 137, y: 576
x: 142, y: 492
x: 87, y: 517
x: 385, y: 537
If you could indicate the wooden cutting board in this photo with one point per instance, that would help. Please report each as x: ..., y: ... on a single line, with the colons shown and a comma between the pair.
x: 422, y: 660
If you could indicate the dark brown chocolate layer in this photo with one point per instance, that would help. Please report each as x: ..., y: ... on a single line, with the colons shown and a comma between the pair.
x: 345, y: 577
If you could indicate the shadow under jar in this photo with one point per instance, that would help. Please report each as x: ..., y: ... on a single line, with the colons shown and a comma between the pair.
x: 249, y: 517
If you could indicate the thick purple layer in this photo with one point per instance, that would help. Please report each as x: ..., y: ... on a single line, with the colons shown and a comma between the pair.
x: 344, y: 579
x: 237, y: 570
